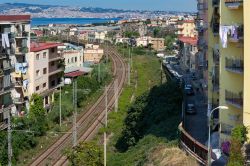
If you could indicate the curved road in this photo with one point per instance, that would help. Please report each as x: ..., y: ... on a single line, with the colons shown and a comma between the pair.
x: 88, y: 123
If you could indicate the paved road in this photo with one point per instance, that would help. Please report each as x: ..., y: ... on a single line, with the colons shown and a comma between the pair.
x: 195, y: 125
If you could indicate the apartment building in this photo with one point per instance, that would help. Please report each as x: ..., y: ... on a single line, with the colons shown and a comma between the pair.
x: 14, y: 31
x: 46, y: 67
x: 157, y: 44
x: 189, y: 52
x: 186, y: 28
x: 73, y: 56
x: 97, y: 37
x: 92, y: 53
x: 227, y: 58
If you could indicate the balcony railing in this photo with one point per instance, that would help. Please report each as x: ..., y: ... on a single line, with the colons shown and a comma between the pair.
x: 237, y: 34
x: 235, y: 65
x: 233, y: 4
x: 216, y: 56
x: 192, y: 146
x: 216, y: 83
x: 21, y: 50
x: 23, y: 34
x: 234, y: 98
x: 215, y: 28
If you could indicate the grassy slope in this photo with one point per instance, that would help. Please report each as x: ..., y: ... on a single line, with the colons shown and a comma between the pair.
x: 143, y: 153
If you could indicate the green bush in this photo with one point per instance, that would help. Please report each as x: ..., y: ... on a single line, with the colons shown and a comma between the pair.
x: 157, y: 112
x: 238, y: 137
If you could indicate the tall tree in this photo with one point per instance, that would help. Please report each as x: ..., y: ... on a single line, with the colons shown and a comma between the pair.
x: 37, y: 115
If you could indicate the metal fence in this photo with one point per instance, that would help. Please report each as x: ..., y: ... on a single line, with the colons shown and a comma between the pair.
x: 193, y: 147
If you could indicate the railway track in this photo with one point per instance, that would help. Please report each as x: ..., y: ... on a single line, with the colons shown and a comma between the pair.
x: 89, y: 122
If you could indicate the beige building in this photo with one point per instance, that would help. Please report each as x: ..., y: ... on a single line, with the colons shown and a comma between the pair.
x: 92, y: 53
x: 45, y: 70
x: 186, y: 28
x: 157, y: 44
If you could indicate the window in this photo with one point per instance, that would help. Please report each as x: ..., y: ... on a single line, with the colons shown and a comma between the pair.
x: 53, y: 83
x: 68, y: 60
x: 52, y: 63
x: 72, y: 60
x: 37, y: 72
x: 58, y: 80
x: 80, y: 58
x: 44, y: 70
x: 44, y: 85
x: 75, y: 59
x: 37, y: 56
x: 52, y: 50
x: 37, y: 88
x: 44, y: 54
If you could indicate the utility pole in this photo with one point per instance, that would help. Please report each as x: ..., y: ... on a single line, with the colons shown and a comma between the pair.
x: 75, y: 112
x: 129, y: 68
x: 99, y: 72
x: 106, y: 125
x: 60, y: 109
x: 131, y: 59
x: 9, y: 139
x: 161, y: 72
x: 116, y: 94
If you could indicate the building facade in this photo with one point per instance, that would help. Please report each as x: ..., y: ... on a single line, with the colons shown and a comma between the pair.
x: 92, y: 53
x: 227, y: 59
x: 45, y: 71
x: 15, y: 31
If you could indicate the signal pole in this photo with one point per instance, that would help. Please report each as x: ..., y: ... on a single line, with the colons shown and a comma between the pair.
x: 9, y: 139
x: 106, y: 124
x: 116, y: 94
x: 75, y: 112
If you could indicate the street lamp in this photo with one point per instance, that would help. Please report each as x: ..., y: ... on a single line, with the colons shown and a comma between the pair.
x: 209, y: 135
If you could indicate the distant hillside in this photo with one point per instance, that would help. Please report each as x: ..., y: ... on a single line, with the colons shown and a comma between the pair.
x: 49, y: 11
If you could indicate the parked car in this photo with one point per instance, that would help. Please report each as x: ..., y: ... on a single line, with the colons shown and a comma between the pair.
x: 190, y: 108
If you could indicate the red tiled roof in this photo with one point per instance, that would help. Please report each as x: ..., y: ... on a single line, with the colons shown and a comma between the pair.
x: 38, y: 32
x: 35, y: 47
x: 188, y: 40
x: 74, y: 74
x: 14, y: 17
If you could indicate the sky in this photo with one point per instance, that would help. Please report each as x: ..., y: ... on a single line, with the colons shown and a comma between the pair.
x: 168, y: 5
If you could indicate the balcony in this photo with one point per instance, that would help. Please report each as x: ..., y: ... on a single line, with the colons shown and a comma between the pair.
x: 215, y: 79
x: 238, y: 34
x: 234, y: 65
x: 22, y: 34
x: 202, y: 44
x: 6, y: 65
x: 21, y: 50
x: 19, y: 100
x: 233, y: 4
x: 216, y: 57
x: 234, y: 99
x: 215, y: 28
x: 202, y: 6
x: 55, y: 57
x: 215, y: 3
x: 1, y: 73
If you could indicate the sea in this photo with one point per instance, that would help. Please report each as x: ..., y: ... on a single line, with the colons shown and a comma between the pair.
x: 46, y: 21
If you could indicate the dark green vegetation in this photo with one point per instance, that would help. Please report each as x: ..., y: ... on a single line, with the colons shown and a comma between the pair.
x: 152, y: 119
x: 35, y: 130
x: 148, y: 116
x: 130, y: 34
x: 238, y: 138
x: 86, y: 153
